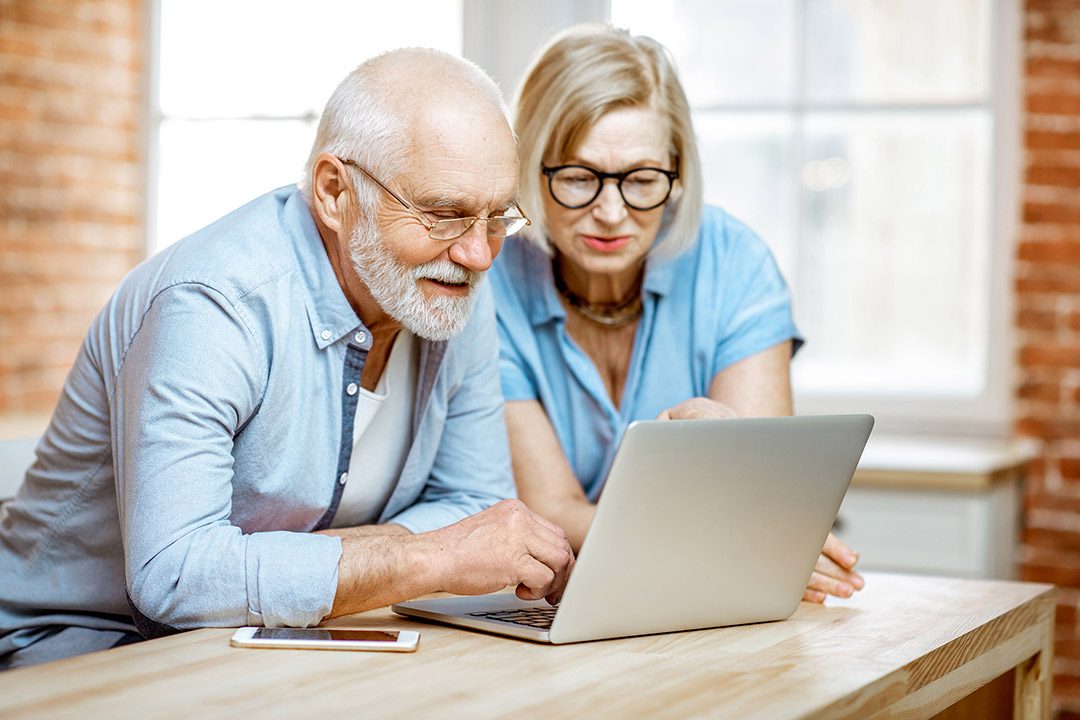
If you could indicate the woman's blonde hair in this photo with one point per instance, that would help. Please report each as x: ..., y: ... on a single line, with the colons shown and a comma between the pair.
x: 580, y: 75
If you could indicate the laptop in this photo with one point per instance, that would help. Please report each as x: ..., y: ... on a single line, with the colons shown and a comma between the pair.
x: 701, y: 523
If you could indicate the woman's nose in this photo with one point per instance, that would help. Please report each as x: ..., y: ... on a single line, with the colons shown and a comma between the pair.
x: 609, y: 207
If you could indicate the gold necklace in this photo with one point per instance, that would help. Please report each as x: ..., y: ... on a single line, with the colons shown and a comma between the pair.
x: 613, y: 314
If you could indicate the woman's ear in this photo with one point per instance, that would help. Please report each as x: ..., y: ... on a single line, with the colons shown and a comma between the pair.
x: 331, y: 195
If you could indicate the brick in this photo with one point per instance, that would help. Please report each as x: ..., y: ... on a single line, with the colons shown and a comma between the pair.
x: 1062, y: 176
x: 1065, y: 616
x: 1048, y: 428
x: 1065, y: 540
x: 74, y: 235
x: 1049, y: 7
x: 1051, y: 212
x: 1048, y: 233
x: 1070, y: 468
x: 1037, y: 320
x: 81, y: 107
x: 1052, y: 67
x: 1054, y: 104
x: 1064, y: 252
x: 1046, y: 392
x: 1048, y: 278
x: 1042, y: 139
x: 102, y: 17
x: 1053, y: 27
x: 1053, y: 573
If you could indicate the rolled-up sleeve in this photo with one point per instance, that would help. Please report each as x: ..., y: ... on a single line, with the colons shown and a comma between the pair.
x: 192, y: 376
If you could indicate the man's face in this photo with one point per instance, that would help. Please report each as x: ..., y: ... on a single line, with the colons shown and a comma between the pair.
x: 463, y: 163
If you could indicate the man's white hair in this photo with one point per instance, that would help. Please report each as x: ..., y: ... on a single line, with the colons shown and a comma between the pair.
x: 369, y: 117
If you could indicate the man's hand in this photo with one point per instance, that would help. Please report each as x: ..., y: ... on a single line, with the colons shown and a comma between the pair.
x: 506, y: 544
x: 834, y: 573
x: 697, y: 408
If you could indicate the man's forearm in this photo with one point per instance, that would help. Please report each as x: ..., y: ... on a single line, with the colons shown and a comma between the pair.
x: 380, y: 568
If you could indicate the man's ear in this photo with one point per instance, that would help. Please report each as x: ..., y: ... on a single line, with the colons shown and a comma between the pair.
x: 331, y: 196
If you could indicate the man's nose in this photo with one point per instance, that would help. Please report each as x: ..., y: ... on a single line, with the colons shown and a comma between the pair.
x: 609, y: 207
x: 473, y: 250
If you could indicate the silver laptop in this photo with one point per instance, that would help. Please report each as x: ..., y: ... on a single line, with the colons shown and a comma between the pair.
x: 701, y: 523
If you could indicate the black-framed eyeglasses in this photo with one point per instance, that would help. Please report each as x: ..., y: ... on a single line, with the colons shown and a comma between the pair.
x: 575, y: 186
x: 498, y: 226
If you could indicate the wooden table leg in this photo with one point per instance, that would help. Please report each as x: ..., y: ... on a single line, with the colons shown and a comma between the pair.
x: 1031, y: 700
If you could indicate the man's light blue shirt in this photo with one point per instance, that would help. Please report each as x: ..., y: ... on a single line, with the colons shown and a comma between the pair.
x: 719, y: 302
x: 206, y: 429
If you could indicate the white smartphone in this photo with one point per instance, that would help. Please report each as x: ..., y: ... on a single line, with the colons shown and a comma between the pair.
x: 326, y: 639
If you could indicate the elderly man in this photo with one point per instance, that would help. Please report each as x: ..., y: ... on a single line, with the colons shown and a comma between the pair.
x: 294, y: 413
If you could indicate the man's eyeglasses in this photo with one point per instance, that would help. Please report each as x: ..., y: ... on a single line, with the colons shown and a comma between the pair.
x: 575, y: 186
x: 498, y: 226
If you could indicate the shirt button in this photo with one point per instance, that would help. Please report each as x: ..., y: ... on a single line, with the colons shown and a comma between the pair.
x: 343, y: 478
x: 360, y: 337
x: 325, y: 335
x: 351, y: 389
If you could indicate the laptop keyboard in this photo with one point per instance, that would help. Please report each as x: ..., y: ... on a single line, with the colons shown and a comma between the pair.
x: 537, y: 618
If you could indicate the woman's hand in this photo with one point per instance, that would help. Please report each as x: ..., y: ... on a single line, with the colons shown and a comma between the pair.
x: 697, y: 408
x: 834, y: 573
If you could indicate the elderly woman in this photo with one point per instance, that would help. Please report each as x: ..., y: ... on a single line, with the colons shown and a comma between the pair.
x: 628, y: 299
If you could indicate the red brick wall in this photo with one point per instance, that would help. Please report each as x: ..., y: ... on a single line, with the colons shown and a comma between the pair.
x: 1048, y: 320
x: 71, y: 187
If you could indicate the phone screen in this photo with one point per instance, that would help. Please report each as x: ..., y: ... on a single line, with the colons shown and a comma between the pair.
x: 324, y: 634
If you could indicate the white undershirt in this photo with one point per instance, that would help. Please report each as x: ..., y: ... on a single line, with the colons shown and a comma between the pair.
x: 382, y: 436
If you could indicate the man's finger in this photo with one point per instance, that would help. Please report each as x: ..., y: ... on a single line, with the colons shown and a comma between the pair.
x: 536, y: 580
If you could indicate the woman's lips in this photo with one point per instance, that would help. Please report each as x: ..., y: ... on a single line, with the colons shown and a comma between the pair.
x: 606, y: 244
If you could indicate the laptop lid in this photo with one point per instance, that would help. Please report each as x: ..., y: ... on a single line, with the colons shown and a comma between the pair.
x: 701, y: 523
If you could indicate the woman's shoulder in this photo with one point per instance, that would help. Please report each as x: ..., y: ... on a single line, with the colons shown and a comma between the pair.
x: 722, y: 241
x: 720, y: 229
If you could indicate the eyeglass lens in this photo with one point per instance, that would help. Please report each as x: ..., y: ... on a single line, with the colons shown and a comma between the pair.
x: 641, y: 189
x: 497, y: 226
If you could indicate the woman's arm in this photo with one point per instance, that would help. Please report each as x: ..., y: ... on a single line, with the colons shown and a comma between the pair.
x: 757, y: 386
x: 545, y: 480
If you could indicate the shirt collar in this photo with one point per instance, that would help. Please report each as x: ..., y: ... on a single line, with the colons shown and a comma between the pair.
x: 329, y: 313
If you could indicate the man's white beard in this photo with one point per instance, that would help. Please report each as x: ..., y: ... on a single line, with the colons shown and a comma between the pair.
x: 396, y: 287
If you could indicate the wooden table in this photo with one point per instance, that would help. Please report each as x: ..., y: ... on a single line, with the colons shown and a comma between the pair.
x: 905, y: 647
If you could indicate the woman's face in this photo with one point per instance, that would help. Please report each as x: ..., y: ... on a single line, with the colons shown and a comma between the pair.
x: 607, y: 236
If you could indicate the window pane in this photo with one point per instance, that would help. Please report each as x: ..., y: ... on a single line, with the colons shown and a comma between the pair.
x: 211, y: 168
x: 728, y: 51
x: 231, y: 58
x: 746, y: 163
x: 892, y: 289
x: 897, y: 50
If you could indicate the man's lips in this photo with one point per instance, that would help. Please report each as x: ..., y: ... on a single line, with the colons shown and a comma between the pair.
x: 606, y: 243
x: 453, y: 288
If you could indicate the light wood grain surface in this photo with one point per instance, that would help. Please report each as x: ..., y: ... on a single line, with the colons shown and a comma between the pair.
x: 905, y: 647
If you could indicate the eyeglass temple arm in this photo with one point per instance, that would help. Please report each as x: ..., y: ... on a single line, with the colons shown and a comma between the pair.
x: 375, y: 180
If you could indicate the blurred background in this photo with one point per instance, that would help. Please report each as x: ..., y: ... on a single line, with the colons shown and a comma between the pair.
x: 913, y: 164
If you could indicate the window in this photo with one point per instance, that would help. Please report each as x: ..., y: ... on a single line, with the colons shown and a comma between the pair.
x: 857, y: 138
x: 871, y: 143
x: 241, y: 85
